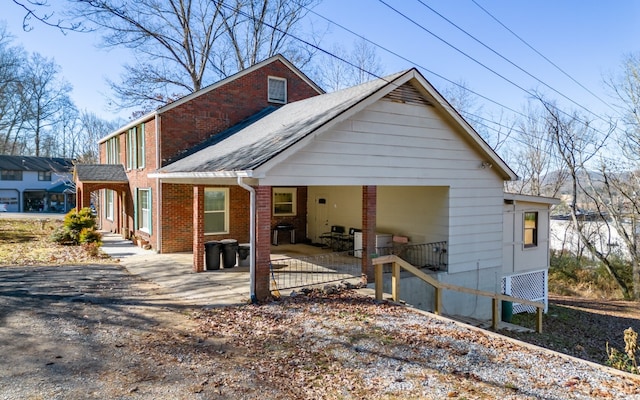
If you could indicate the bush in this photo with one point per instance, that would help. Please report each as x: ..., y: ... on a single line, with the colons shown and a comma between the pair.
x: 570, y: 275
x: 79, y: 227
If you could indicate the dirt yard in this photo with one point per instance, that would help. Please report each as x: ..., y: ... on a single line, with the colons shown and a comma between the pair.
x: 74, y: 326
x: 95, y: 331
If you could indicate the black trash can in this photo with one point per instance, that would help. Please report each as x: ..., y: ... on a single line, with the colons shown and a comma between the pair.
x: 212, y: 254
x: 229, y: 250
x: 244, y: 249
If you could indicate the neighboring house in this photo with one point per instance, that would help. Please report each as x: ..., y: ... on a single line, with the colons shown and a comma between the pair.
x: 36, y: 184
x: 266, y: 147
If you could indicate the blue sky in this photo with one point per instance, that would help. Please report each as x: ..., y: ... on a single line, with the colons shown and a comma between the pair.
x: 586, y: 38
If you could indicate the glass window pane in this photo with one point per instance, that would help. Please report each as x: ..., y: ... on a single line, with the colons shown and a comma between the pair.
x: 214, y: 222
x: 214, y: 200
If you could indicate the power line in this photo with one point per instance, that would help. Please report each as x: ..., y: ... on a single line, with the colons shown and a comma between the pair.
x: 482, y: 64
x: 446, y: 105
x: 504, y: 58
x: 543, y: 56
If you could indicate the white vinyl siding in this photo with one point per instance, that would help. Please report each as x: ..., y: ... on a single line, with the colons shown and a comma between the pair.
x: 395, y: 144
x: 216, y: 211
x: 277, y: 90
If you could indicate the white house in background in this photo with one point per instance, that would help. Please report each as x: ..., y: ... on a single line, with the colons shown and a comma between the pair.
x: 36, y: 184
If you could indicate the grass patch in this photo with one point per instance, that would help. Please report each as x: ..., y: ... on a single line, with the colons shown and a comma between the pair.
x: 28, y: 242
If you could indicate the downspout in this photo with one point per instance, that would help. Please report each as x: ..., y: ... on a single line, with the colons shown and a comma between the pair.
x: 252, y: 238
x: 158, y: 204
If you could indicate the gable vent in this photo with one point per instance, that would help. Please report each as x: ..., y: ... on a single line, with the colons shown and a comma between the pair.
x: 277, y: 90
x: 407, y: 94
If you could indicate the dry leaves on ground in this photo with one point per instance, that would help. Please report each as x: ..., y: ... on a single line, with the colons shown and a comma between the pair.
x: 27, y: 242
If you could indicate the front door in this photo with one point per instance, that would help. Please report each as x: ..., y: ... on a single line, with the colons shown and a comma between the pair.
x: 320, y: 221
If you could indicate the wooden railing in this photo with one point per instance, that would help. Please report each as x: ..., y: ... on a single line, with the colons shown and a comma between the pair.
x: 397, y: 263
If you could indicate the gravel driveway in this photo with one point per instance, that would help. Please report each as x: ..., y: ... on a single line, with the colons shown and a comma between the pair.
x: 80, y: 332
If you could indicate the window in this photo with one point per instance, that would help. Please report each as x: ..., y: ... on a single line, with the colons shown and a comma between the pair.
x: 284, y: 201
x: 135, y: 147
x: 113, y: 150
x: 9, y: 175
x: 216, y: 213
x: 277, y: 90
x: 44, y: 175
x: 108, y: 197
x: 143, y: 210
x: 530, y: 229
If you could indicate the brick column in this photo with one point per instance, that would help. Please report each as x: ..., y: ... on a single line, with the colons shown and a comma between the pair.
x: 198, y: 228
x: 369, y: 212
x: 79, y: 199
x: 263, y: 241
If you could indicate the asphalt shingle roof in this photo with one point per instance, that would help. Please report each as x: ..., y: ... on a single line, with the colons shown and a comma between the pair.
x: 251, y: 146
x: 30, y: 163
x: 101, y: 173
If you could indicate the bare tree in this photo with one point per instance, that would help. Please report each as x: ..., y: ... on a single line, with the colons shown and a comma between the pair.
x: 40, y: 11
x: 46, y: 95
x: 579, y: 144
x: 535, y: 159
x: 344, y: 68
x: 93, y: 128
x: 180, y: 46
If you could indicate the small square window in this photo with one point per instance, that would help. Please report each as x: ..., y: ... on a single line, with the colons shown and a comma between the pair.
x: 284, y: 201
x: 277, y: 90
x: 44, y: 175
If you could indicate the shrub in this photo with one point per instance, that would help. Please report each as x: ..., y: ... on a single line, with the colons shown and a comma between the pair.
x: 78, y: 227
x: 624, y: 361
x: 90, y: 235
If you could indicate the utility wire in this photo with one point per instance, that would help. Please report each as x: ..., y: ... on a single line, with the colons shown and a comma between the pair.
x: 534, y: 95
x: 416, y: 64
x: 503, y: 58
x: 445, y: 104
x: 544, y: 57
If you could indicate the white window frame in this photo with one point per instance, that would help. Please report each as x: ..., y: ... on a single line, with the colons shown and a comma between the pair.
x: 109, y: 210
x: 225, y: 211
x: 143, y: 218
x: 294, y: 200
x: 44, y: 176
x: 135, y: 147
x: 271, y: 96
x: 535, y: 230
x: 113, y: 150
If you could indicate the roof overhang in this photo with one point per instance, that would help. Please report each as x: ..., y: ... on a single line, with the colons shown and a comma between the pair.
x: 205, y: 177
x: 526, y: 198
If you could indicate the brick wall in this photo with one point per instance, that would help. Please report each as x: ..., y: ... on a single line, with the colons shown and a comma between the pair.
x: 178, y: 208
x: 193, y: 122
x: 263, y: 241
x: 369, y: 213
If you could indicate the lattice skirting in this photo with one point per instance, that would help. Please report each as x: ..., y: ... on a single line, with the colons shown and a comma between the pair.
x: 530, y: 286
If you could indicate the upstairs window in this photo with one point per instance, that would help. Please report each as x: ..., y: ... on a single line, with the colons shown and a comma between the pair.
x: 530, y: 229
x: 277, y: 90
x: 284, y: 201
x: 44, y: 175
x: 113, y: 150
x: 135, y: 147
x: 10, y: 175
